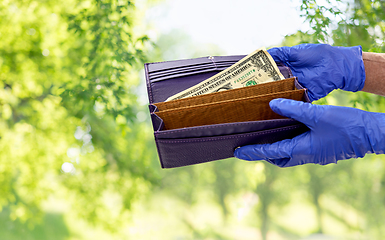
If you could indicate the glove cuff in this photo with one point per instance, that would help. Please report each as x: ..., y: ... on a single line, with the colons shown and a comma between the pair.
x: 354, y: 68
x: 375, y: 129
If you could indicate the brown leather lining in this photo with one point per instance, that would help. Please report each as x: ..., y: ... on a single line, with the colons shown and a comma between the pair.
x: 260, y: 89
x: 237, y: 105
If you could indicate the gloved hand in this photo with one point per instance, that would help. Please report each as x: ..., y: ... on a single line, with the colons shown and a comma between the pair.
x: 336, y: 133
x: 322, y: 68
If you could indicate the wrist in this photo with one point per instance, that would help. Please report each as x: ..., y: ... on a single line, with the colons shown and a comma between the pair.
x: 375, y: 73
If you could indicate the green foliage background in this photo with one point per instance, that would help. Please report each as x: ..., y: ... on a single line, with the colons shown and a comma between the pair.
x: 77, y: 158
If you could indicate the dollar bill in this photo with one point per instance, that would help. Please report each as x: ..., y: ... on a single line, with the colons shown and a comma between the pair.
x: 257, y: 67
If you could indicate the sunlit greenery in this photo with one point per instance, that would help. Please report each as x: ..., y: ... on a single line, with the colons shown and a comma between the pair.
x: 77, y: 157
x: 71, y: 129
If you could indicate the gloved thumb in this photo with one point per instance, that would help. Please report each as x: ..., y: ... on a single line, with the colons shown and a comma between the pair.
x: 280, y: 54
x: 306, y: 113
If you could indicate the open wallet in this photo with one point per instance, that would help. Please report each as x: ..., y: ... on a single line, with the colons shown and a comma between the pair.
x: 211, y: 126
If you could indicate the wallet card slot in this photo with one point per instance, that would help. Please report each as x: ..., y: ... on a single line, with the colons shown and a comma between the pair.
x: 190, y: 69
x: 185, y: 74
x: 250, y: 91
x: 161, y: 66
x: 160, y: 91
x: 224, y: 129
x: 162, y: 76
x: 238, y: 110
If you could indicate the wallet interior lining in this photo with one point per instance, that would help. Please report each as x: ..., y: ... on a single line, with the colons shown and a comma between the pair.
x: 256, y: 90
x: 243, y: 109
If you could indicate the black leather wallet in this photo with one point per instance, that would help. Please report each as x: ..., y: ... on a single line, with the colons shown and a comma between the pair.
x: 209, y: 127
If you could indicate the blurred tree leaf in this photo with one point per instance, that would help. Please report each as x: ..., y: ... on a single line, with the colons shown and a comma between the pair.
x: 69, y: 127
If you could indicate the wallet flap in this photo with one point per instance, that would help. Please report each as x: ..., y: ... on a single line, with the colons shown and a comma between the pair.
x: 181, y: 152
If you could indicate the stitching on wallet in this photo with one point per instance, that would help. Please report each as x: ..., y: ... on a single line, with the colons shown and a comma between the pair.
x: 212, y: 60
x: 229, y: 137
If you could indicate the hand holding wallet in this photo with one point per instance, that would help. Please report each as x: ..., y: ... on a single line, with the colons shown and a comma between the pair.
x: 336, y: 133
x: 321, y: 68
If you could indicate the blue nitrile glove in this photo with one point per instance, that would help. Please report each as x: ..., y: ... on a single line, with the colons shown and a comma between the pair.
x: 322, y: 68
x: 336, y: 133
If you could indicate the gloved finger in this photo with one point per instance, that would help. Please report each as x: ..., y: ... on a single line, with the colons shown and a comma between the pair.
x: 306, y: 113
x: 278, y: 153
x: 279, y: 54
x: 277, y: 150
